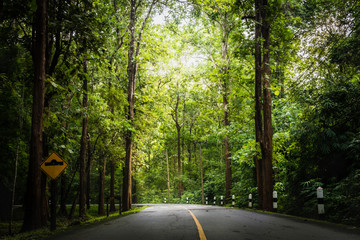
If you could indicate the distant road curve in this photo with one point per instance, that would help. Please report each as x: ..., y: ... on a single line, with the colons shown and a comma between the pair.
x: 175, y: 221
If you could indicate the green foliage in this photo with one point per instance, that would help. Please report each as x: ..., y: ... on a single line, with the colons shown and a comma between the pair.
x: 342, y: 196
x: 325, y: 150
x: 314, y: 83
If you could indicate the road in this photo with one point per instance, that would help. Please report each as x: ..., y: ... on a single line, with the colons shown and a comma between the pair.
x: 174, y: 222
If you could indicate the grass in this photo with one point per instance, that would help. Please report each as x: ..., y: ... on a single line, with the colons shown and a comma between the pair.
x: 62, y: 224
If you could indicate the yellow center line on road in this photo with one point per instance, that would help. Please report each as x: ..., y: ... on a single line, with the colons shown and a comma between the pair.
x: 199, y: 227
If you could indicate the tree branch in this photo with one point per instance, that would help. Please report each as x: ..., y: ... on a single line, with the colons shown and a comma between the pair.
x: 143, y: 27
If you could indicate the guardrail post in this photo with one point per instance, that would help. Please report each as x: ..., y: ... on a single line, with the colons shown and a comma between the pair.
x: 233, y: 200
x: 214, y: 200
x: 206, y: 202
x: 187, y: 200
x: 320, y: 198
x: 250, y: 200
x: 221, y: 202
x: 165, y: 200
x: 275, y: 205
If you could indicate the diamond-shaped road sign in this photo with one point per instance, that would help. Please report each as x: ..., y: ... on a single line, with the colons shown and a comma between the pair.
x: 53, y: 166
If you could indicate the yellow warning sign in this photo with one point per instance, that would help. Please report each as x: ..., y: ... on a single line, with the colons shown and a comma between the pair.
x: 53, y: 166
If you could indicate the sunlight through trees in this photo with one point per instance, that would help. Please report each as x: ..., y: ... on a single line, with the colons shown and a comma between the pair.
x: 154, y: 99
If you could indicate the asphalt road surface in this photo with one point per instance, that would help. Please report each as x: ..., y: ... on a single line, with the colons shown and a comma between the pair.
x: 174, y: 222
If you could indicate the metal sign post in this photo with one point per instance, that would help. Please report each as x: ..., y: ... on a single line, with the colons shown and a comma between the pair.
x: 53, y: 166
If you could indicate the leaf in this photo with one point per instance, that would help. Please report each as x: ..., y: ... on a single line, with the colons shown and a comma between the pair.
x: 330, y: 133
x: 33, y: 6
x: 55, y: 85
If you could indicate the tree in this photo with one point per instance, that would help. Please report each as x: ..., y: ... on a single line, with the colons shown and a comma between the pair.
x: 202, y: 177
x: 34, y: 206
x: 263, y: 122
x: 133, y: 53
x: 178, y: 125
x: 167, y: 173
x: 83, y: 145
x: 101, y: 200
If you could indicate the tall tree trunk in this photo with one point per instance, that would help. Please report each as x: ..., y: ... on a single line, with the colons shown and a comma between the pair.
x: 101, y: 206
x: 227, y: 169
x: 64, y: 176
x: 83, y: 147
x: 134, y: 196
x: 182, y: 161
x: 190, y: 143
x: 183, y: 146
x: 112, y: 163
x: 178, y: 131
x: 202, y: 178
x: 258, y: 103
x: 194, y: 143
x: 268, y: 130
x: 44, y: 196
x: 126, y: 197
x: 131, y: 71
x: 263, y: 123
x: 225, y: 85
x: 17, y: 159
x: 128, y: 162
x: 168, y: 174
x: 112, y: 186
x: 178, y: 128
x: 67, y: 191
x: 73, y: 206
x: 34, y: 204
x: 88, y: 169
